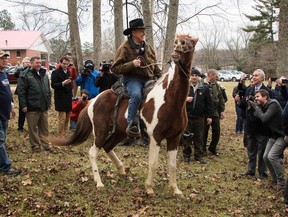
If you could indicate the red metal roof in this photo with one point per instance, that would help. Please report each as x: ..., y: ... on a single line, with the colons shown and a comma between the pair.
x: 10, y: 40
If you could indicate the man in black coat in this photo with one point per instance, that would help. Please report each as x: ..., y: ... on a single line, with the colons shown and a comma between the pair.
x: 199, y: 107
x: 61, y: 83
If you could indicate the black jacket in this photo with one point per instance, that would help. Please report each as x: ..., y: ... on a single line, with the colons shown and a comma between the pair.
x: 34, y: 90
x: 201, y: 105
x: 62, y: 94
x: 106, y: 81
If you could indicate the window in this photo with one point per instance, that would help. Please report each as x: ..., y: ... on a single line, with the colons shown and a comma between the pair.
x: 18, y: 54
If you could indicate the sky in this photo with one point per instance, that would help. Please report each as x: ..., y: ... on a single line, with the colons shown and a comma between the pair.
x: 229, y: 17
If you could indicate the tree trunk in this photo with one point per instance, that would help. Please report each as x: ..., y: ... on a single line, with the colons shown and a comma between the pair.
x: 170, y: 33
x: 74, y: 32
x: 283, y: 39
x: 118, y: 23
x: 97, y: 32
x: 148, y: 18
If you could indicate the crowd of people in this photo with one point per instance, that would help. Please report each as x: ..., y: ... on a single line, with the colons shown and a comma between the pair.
x: 262, y: 111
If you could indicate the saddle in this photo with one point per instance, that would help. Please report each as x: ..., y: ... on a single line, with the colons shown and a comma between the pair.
x: 119, y: 89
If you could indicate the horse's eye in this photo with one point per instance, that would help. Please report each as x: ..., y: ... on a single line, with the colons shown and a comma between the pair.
x: 182, y: 42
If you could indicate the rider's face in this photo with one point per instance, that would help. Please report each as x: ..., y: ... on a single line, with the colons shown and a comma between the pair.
x: 138, y: 35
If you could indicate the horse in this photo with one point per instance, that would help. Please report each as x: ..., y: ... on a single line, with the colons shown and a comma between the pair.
x: 163, y: 112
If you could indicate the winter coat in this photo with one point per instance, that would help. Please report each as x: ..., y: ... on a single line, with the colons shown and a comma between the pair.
x: 201, y: 105
x: 77, y: 107
x: 87, y: 82
x: 106, y: 81
x: 253, y: 125
x: 217, y: 97
x: 125, y: 55
x: 5, y: 97
x: 62, y: 94
x: 34, y: 90
x: 270, y: 115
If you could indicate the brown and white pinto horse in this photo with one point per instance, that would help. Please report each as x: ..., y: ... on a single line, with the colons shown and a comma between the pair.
x: 163, y: 112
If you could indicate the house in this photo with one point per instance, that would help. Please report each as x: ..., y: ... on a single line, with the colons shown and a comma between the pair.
x: 19, y: 44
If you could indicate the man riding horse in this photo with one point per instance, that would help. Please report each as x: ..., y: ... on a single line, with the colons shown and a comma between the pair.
x: 135, y: 60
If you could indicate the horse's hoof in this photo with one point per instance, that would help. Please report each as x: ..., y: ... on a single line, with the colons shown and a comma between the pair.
x: 150, y: 192
x: 124, y: 176
x: 100, y: 187
x: 180, y: 196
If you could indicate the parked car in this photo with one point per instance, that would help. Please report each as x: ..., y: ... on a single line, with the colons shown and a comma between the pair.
x: 52, y: 66
x: 224, y: 75
x: 236, y: 75
x: 10, y: 73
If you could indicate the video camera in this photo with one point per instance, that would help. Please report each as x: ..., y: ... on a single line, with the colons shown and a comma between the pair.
x: 88, y: 67
x: 105, y: 66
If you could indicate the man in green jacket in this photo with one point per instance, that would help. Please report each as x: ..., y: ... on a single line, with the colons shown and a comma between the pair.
x: 218, y: 113
x: 136, y: 61
x: 35, y: 99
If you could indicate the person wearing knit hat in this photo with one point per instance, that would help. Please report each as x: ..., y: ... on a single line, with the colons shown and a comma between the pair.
x: 199, y: 107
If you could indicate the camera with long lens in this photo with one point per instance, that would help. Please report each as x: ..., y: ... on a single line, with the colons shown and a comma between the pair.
x: 105, y: 66
x: 88, y: 67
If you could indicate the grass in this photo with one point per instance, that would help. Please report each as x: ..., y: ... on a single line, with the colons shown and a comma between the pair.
x: 61, y: 184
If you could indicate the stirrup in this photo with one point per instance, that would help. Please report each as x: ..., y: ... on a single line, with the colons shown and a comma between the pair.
x: 133, y: 134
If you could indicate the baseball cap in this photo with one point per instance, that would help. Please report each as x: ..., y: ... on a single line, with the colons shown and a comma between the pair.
x: 3, y: 53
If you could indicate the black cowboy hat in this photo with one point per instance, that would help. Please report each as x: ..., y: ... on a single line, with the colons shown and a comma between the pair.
x: 135, y: 24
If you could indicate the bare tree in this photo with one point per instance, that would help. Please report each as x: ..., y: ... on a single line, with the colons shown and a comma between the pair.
x: 210, y: 42
x: 283, y: 39
x: 118, y: 22
x: 147, y: 8
x: 170, y: 33
x: 97, y: 31
x: 74, y: 32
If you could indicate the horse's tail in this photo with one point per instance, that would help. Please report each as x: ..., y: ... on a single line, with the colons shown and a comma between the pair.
x: 82, y: 132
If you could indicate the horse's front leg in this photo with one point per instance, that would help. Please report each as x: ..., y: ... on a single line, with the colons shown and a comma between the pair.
x: 153, y: 165
x: 172, y: 146
x: 93, y: 153
x: 114, y: 158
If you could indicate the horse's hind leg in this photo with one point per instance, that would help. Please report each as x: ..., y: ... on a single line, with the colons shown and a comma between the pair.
x: 153, y: 165
x: 93, y: 153
x: 119, y: 165
x: 172, y: 155
x: 117, y: 137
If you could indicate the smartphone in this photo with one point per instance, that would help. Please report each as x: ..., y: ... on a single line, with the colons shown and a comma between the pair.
x: 273, y: 79
x: 284, y: 81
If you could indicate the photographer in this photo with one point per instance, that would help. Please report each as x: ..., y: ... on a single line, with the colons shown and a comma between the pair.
x: 269, y: 111
x: 106, y: 78
x: 86, y: 79
x: 78, y: 105
x: 280, y: 90
x: 256, y: 133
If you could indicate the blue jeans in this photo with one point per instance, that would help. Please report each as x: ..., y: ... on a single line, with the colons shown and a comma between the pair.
x: 239, y: 119
x: 134, y: 88
x: 5, y: 162
x: 73, y: 125
x: 272, y: 154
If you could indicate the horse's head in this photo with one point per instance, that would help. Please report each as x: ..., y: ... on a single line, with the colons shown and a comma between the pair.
x: 184, y: 46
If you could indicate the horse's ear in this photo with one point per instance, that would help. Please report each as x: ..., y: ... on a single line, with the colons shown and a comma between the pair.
x: 194, y: 40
